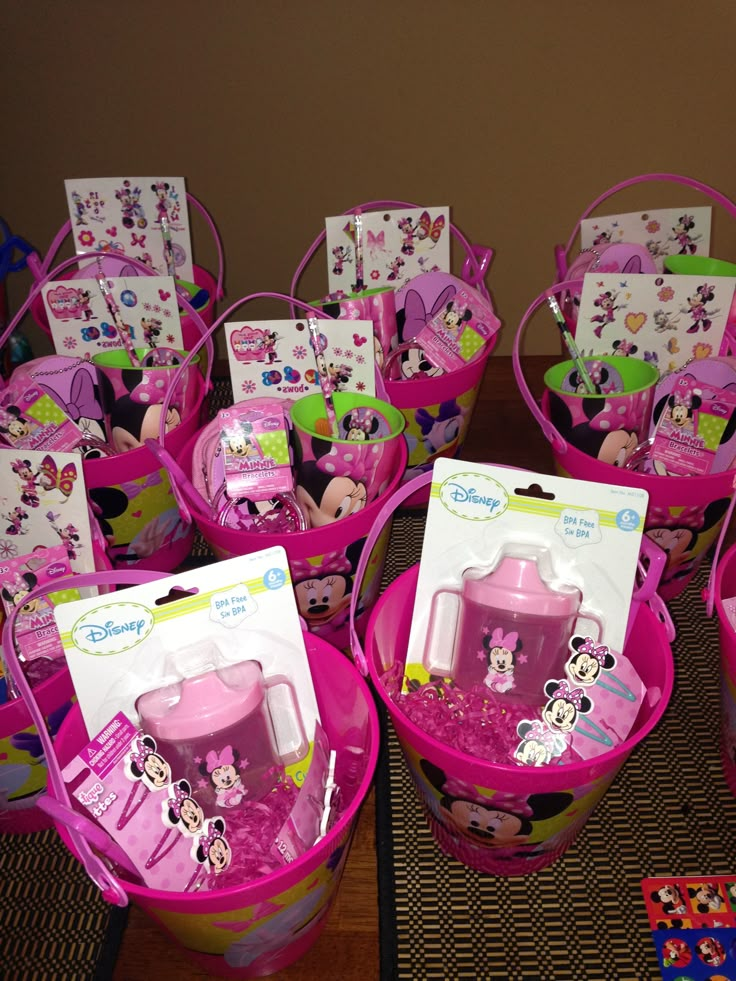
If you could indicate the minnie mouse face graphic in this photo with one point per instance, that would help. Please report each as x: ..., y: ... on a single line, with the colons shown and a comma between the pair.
x: 491, y: 822
x: 148, y: 766
x: 587, y: 662
x: 323, y: 497
x: 15, y: 594
x: 182, y: 810
x: 564, y: 705
x: 220, y: 768
x: 614, y: 447
x: 358, y: 429
x: 501, y: 650
x: 681, y: 542
x: 212, y: 848
x: 453, y: 319
x: 17, y: 427
x: 321, y: 598
x: 133, y: 422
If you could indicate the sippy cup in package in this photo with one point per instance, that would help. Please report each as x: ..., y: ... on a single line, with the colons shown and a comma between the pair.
x: 522, y: 576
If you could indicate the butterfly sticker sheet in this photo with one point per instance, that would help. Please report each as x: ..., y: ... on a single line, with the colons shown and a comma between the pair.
x: 275, y: 357
x: 124, y: 215
x: 81, y: 324
x: 43, y: 502
x: 666, y: 320
x: 670, y: 231
x: 395, y: 247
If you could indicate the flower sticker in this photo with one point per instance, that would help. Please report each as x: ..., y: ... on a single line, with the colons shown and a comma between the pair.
x: 375, y: 274
x: 299, y: 352
x: 652, y: 227
x: 665, y: 294
x: 8, y: 549
x: 70, y: 343
x: 86, y: 238
x: 248, y: 387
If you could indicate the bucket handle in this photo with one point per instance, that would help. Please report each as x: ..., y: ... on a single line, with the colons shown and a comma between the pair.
x: 562, y: 252
x: 475, y: 263
x: 651, y: 563
x: 47, y: 277
x: 96, y: 869
x: 558, y: 443
x: 181, y: 493
x: 39, y: 268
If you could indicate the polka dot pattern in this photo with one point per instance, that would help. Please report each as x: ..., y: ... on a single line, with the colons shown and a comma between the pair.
x: 711, y: 428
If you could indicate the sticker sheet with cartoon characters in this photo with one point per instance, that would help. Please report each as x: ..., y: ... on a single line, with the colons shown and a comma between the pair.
x: 668, y: 231
x: 81, y: 324
x: 124, y: 215
x: 667, y: 320
x: 693, y: 922
x: 43, y: 502
x: 395, y: 247
x: 275, y: 357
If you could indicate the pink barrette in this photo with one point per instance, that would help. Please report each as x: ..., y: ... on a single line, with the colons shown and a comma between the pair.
x: 572, y: 695
x: 599, y: 653
x: 539, y: 733
x: 175, y: 802
x: 508, y: 641
x: 224, y: 758
x: 141, y: 753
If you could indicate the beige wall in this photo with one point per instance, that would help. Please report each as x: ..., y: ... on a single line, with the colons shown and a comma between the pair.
x: 517, y: 114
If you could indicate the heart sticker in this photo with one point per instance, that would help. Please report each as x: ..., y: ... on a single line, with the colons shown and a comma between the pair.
x: 112, y: 232
x: 163, y: 294
x: 136, y: 514
x: 635, y: 321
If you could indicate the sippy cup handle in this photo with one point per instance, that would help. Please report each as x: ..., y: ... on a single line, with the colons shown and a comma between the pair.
x: 291, y: 740
x: 439, y: 653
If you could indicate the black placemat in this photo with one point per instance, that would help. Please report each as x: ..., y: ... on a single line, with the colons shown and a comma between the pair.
x: 669, y: 812
x: 54, y: 922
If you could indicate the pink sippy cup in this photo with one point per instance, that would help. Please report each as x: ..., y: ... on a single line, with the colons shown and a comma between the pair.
x: 508, y: 629
x: 226, y: 731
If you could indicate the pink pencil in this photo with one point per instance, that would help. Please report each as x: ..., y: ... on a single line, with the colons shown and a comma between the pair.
x: 123, y: 332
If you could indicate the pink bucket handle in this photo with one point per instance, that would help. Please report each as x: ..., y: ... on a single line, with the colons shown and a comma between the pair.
x: 47, y: 277
x: 475, y: 264
x: 562, y: 253
x: 558, y: 443
x: 39, y: 268
x: 709, y: 591
x: 98, y: 872
x: 652, y: 561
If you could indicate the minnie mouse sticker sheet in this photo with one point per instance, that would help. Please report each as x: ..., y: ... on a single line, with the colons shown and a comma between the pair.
x: 124, y: 215
x: 275, y: 357
x: 43, y: 502
x: 669, y: 231
x: 81, y: 324
x: 394, y: 246
x: 667, y: 320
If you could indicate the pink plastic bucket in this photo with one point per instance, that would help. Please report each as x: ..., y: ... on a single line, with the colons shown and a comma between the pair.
x: 23, y: 770
x: 315, y: 556
x: 549, y: 805
x: 685, y: 514
x: 264, y: 926
x: 136, y: 509
x: 725, y: 589
x: 437, y: 410
x: 22, y: 760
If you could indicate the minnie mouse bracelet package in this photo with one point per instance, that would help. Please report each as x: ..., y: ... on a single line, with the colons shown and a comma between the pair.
x: 520, y: 615
x: 209, y: 756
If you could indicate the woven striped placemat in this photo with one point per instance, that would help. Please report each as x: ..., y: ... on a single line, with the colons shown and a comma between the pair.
x: 54, y: 922
x: 669, y: 812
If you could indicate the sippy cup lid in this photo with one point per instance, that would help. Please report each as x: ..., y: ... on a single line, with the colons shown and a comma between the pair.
x: 516, y: 586
x: 203, y: 704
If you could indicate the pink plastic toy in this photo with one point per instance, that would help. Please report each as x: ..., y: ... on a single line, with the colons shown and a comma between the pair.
x: 501, y: 613
x: 262, y: 927
x: 499, y: 819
